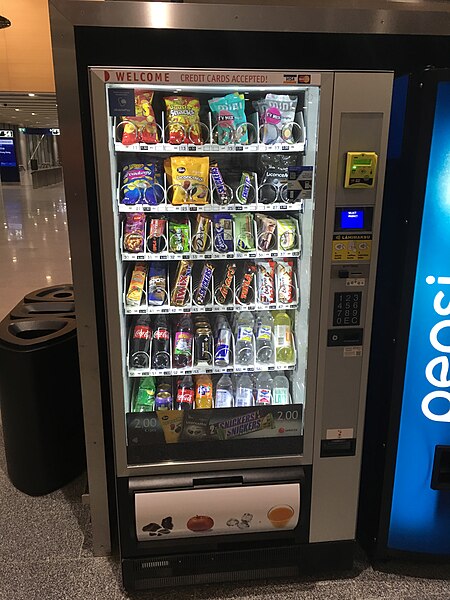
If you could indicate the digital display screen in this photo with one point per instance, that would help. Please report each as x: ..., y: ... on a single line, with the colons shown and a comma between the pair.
x: 362, y: 162
x: 352, y: 219
x: 7, y: 153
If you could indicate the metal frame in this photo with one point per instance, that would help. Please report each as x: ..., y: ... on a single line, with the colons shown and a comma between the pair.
x: 413, y: 17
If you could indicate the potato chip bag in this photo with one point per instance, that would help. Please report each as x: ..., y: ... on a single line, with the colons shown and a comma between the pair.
x: 141, y: 127
x: 183, y: 120
x: 229, y: 116
x: 189, y: 177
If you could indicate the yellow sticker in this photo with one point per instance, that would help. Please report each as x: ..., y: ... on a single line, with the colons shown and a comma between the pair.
x: 351, y: 247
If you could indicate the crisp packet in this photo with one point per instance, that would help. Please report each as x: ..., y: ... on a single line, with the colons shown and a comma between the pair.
x: 287, y: 234
x: 171, y: 422
x: 244, y: 232
x: 142, y: 184
x: 274, y: 173
x: 223, y: 232
x: 266, y: 282
x: 142, y: 127
x: 183, y: 120
x: 136, y: 287
x: 229, y: 116
x: 157, y: 280
x: 285, y: 281
x: 276, y: 116
x: 189, y: 177
x: 133, y: 239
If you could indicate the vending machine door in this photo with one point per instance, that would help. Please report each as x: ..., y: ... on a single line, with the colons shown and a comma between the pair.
x: 211, y: 190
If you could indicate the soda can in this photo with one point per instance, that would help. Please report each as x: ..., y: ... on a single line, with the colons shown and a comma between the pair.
x: 163, y: 400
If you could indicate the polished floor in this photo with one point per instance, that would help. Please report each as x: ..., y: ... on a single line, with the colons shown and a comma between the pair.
x: 45, y: 551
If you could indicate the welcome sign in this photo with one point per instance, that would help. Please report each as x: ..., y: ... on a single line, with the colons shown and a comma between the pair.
x: 420, y: 516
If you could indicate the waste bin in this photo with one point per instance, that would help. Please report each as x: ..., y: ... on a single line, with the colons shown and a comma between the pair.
x: 40, y: 400
x: 43, y: 310
x: 53, y: 293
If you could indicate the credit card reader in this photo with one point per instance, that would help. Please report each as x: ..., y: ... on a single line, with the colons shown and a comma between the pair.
x: 360, y: 170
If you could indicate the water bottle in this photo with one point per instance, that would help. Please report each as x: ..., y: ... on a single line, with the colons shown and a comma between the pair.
x: 224, y: 392
x: 264, y: 337
x: 244, y: 391
x: 245, y: 351
x: 264, y: 387
x: 284, y: 345
x: 281, y: 390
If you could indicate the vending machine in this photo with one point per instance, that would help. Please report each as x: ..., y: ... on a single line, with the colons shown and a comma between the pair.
x: 405, y: 499
x: 239, y: 215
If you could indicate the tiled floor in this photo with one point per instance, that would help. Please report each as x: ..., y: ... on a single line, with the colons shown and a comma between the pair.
x: 44, y: 542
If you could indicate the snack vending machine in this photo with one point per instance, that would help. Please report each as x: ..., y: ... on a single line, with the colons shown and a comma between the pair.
x: 239, y: 215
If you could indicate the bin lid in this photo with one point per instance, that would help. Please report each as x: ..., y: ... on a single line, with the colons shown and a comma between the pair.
x: 33, y: 333
x: 45, y: 309
x: 52, y: 293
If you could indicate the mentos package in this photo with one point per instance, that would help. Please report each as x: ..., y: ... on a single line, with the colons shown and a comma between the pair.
x: 189, y: 177
x: 142, y: 127
x: 276, y: 115
x: 183, y: 120
x: 229, y: 115
x: 142, y: 184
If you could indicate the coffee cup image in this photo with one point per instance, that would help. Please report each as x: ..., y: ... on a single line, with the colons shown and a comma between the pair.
x: 280, y: 515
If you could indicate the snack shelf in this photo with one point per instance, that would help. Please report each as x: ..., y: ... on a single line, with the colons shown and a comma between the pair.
x: 190, y: 208
x: 165, y: 256
x: 169, y: 310
x: 161, y: 148
x: 209, y: 370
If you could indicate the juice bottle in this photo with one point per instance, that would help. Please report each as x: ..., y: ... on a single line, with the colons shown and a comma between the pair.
x: 203, y: 391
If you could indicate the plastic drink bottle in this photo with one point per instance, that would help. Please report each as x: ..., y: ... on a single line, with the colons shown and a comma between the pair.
x: 264, y: 337
x: 182, y: 348
x: 223, y: 351
x: 161, y: 343
x: 284, y: 346
x: 203, y: 391
x: 185, y: 393
x: 264, y: 386
x: 224, y: 392
x: 281, y: 390
x: 245, y: 351
x: 141, y: 334
x: 144, y: 398
x: 244, y: 391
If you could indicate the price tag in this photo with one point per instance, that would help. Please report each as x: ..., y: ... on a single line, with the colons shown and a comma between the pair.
x: 138, y: 257
x: 274, y: 254
x: 163, y: 257
x: 239, y: 208
x: 193, y: 208
x: 285, y: 148
x: 164, y: 310
x: 230, y: 307
x: 144, y: 148
x: 142, y: 311
x: 283, y: 207
x: 252, y: 255
x: 146, y: 208
x: 239, y: 148
x: 186, y: 310
x: 192, y: 148
x: 208, y: 308
x: 208, y: 256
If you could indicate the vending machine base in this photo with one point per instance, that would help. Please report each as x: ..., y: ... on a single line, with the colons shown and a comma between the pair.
x: 243, y: 564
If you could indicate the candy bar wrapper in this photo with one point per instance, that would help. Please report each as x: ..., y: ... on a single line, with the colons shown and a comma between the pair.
x: 229, y: 114
x: 224, y: 291
x: 189, y: 177
x: 133, y: 239
x: 237, y: 426
x: 183, y: 120
x: 181, y: 285
x: 244, y: 232
x: 156, y: 237
x: 276, y: 114
x: 203, y: 285
x: 287, y: 234
x: 201, y: 235
x: 266, y: 282
x: 141, y: 127
x: 245, y: 289
x: 223, y: 233
x: 178, y: 237
x: 244, y: 193
x: 136, y: 287
x: 285, y: 284
x: 265, y: 231
x: 222, y: 193
x: 157, y: 283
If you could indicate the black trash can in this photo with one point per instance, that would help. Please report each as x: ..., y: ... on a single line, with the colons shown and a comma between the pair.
x: 43, y: 310
x: 40, y: 400
x: 53, y: 293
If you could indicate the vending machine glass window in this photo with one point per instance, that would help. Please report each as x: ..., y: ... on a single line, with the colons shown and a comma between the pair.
x: 213, y: 214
